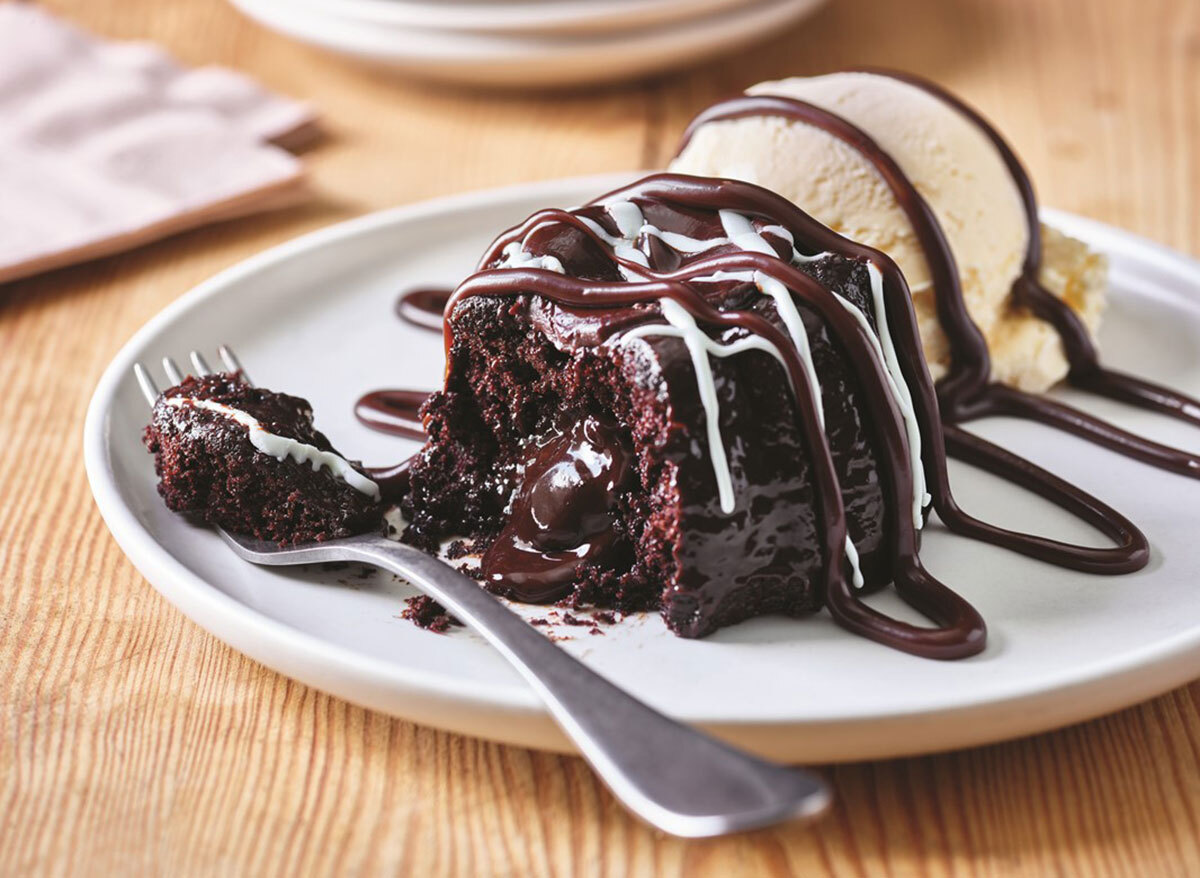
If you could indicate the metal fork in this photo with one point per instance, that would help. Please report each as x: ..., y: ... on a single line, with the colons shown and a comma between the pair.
x: 672, y: 776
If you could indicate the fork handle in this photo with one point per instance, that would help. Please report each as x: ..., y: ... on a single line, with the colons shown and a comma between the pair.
x: 675, y: 777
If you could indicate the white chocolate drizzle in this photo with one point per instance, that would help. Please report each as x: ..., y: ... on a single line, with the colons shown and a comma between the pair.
x: 515, y: 256
x: 700, y: 345
x: 283, y: 447
x: 885, y: 350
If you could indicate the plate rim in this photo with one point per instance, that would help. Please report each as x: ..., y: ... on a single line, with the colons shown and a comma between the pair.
x: 436, y: 49
x: 524, y: 16
x: 1164, y: 664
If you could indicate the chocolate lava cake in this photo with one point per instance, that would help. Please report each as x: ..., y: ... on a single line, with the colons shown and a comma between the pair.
x: 684, y: 396
x: 208, y: 437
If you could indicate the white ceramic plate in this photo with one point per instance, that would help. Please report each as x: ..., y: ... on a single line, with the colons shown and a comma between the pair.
x: 523, y: 16
x: 314, y: 317
x: 537, y: 61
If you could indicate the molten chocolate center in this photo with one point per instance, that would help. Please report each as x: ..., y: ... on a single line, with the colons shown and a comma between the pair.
x: 563, y: 511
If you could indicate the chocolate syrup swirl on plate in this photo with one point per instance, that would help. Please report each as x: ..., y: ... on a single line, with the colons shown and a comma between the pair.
x: 396, y: 412
x: 393, y: 411
x: 423, y: 306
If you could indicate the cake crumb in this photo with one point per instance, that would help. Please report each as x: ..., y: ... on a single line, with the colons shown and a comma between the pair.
x: 425, y: 612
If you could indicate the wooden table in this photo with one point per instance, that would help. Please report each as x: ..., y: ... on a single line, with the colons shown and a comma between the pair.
x: 133, y: 742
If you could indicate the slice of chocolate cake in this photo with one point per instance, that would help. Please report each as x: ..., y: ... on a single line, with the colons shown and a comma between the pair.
x: 686, y: 396
x: 251, y: 461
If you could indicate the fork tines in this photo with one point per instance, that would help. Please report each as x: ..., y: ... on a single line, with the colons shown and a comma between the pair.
x: 150, y: 390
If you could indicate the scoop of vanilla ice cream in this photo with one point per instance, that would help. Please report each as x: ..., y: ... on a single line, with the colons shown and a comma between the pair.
x: 958, y: 171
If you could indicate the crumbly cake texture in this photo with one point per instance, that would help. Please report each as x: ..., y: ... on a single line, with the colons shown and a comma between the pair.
x: 424, y: 612
x: 208, y: 469
x: 520, y: 367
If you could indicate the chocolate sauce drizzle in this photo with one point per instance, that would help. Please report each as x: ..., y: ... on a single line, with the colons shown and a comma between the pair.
x: 961, y: 630
x: 967, y: 392
x: 396, y: 412
x: 423, y: 306
x: 393, y: 411
x: 392, y: 480
x: 1086, y: 371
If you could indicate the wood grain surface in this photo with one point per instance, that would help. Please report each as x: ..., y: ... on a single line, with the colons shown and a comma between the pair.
x: 133, y: 743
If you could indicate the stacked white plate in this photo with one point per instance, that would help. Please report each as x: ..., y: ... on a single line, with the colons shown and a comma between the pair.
x: 541, y: 43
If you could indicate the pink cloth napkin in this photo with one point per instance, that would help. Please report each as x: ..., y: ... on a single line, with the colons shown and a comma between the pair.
x: 105, y: 146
